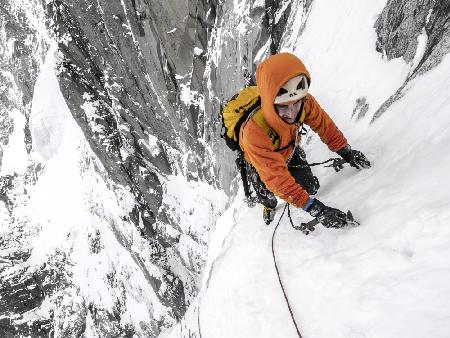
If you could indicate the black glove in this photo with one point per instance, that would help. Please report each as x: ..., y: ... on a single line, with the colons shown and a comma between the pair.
x: 354, y: 157
x: 329, y: 217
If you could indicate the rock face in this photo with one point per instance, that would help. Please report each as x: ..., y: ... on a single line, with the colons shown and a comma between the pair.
x: 123, y: 68
x: 120, y: 85
x: 22, y: 49
x: 418, y: 31
x: 144, y: 81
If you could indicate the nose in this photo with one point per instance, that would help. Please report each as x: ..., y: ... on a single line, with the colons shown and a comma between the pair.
x: 292, y: 110
x: 289, y: 111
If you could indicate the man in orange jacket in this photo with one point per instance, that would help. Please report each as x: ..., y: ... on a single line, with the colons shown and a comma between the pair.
x: 276, y: 161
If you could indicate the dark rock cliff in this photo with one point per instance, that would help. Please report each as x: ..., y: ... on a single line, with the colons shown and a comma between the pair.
x: 116, y: 59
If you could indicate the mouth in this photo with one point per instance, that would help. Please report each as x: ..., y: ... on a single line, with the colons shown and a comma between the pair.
x: 289, y: 120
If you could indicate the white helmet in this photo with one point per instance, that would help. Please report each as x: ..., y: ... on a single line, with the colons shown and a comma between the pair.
x: 293, y: 90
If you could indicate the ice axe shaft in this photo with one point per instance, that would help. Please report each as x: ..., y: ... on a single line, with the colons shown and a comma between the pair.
x: 308, y: 227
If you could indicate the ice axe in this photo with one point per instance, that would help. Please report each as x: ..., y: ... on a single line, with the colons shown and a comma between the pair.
x: 336, y: 163
x: 310, y: 226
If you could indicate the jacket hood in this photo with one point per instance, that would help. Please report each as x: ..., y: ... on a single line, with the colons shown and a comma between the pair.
x: 271, y: 74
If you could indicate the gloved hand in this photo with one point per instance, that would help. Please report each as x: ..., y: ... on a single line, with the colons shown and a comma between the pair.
x: 356, y: 158
x: 329, y: 217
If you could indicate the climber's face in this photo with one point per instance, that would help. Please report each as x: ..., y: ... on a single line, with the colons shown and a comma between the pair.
x: 288, y: 111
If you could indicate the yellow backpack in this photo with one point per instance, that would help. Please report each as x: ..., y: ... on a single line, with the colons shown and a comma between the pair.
x: 236, y: 111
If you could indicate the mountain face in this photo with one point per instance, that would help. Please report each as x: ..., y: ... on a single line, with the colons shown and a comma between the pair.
x: 112, y: 179
x: 22, y: 51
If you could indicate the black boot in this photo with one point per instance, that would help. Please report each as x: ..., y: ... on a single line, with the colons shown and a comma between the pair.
x: 264, y: 195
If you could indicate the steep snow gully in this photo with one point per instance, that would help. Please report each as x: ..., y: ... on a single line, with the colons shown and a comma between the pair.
x: 120, y: 212
x: 390, y: 277
x: 387, y: 278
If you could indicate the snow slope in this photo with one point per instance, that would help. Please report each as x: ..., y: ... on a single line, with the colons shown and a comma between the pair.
x: 390, y: 277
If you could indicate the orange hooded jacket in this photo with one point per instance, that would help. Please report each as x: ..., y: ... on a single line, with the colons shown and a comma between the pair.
x: 258, y: 146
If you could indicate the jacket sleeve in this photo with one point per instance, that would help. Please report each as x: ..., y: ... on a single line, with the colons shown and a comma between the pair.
x: 271, y: 166
x: 323, y: 125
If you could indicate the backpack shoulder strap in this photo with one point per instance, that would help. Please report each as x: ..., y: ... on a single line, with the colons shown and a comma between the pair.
x: 258, y: 118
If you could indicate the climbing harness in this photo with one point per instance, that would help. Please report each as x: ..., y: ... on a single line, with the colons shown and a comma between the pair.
x: 278, y: 273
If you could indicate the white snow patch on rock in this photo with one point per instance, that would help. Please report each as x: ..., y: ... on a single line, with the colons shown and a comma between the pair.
x: 153, y: 145
x: 262, y: 53
x: 4, y: 215
x: 14, y: 153
x: 281, y: 11
x: 48, y: 121
x: 198, y: 51
x: 258, y: 3
x: 422, y: 40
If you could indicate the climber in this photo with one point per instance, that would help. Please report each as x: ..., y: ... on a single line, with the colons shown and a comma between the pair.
x: 275, y: 160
